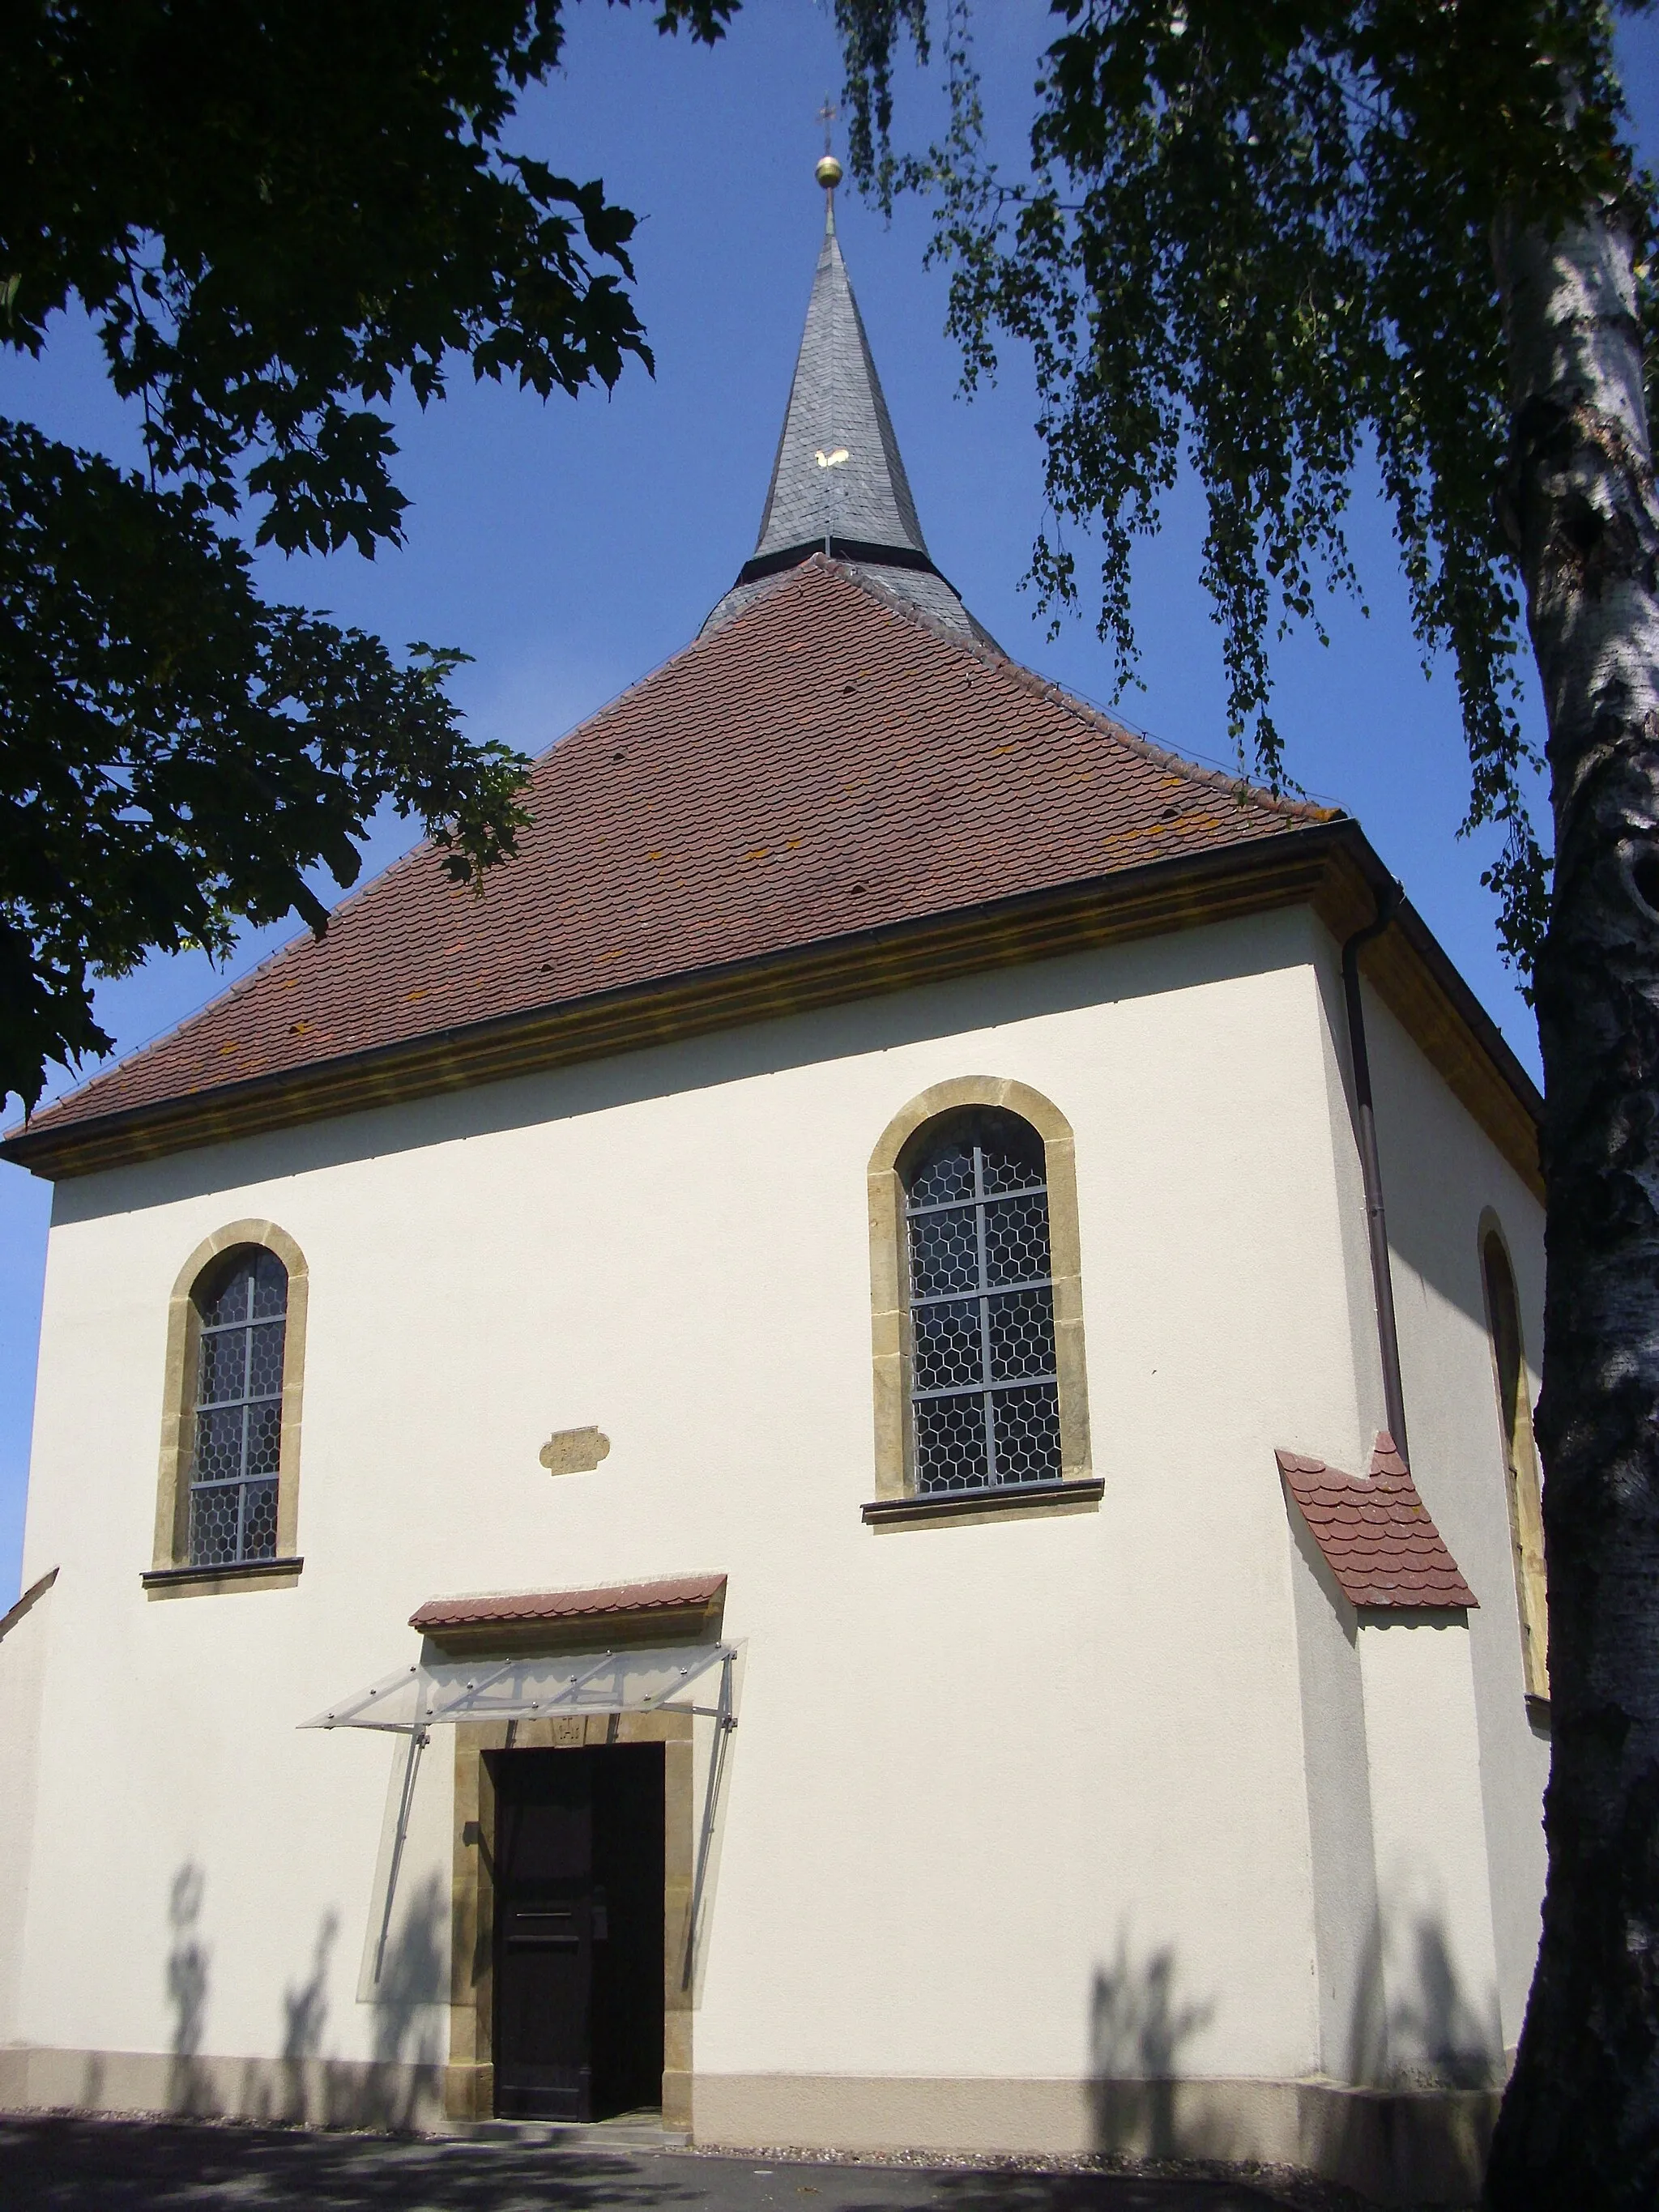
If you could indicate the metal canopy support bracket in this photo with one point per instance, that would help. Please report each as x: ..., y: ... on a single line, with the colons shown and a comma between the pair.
x: 434, y: 1692
x: 725, y: 1720
x: 418, y: 1740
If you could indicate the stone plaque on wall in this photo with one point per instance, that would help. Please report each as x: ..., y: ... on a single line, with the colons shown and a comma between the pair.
x: 574, y: 1451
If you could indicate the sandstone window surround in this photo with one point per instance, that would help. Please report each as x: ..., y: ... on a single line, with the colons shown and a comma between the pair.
x: 1521, y: 1483
x: 172, y: 1573
x: 904, y: 1141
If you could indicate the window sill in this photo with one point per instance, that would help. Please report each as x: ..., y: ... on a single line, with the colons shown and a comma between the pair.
x: 212, y: 1582
x: 978, y: 1504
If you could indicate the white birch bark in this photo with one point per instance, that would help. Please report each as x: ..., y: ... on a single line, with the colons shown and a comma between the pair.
x: 1580, y: 2125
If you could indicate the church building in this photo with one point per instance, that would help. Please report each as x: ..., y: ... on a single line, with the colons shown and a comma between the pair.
x: 851, y: 1466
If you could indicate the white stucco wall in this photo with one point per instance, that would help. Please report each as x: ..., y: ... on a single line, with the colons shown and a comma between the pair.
x: 22, y: 1673
x: 1025, y: 1799
x: 1352, y: 2005
x: 1438, y: 1968
x: 1441, y: 1176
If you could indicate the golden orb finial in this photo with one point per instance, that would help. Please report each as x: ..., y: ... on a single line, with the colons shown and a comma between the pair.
x: 829, y: 172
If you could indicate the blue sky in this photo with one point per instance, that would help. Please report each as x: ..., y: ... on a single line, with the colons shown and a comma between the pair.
x: 569, y: 547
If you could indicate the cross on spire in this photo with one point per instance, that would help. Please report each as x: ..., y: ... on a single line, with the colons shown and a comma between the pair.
x: 828, y: 171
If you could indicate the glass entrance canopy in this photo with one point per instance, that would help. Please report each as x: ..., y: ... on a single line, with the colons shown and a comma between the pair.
x: 675, y: 1679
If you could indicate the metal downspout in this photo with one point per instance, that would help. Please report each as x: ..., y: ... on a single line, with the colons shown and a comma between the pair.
x: 1387, y: 1339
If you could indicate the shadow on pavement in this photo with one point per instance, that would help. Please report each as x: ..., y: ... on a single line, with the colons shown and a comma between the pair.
x: 1000, y: 2191
x: 72, y: 2163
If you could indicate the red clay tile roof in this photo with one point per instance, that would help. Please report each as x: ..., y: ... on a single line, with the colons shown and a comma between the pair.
x: 1377, y: 1536
x: 824, y: 764
x: 680, y: 1592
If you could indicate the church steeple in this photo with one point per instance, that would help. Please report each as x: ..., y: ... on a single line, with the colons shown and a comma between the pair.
x: 838, y: 482
x: 838, y: 472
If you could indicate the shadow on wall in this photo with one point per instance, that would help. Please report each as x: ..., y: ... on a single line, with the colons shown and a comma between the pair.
x: 304, y: 2015
x: 1412, y: 2024
x: 1138, y: 2027
x: 189, y: 2085
x: 1398, y: 2149
x: 409, y: 2044
x: 1413, y: 2030
x: 400, y: 2088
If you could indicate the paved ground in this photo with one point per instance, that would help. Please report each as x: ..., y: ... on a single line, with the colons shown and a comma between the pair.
x: 52, y: 2163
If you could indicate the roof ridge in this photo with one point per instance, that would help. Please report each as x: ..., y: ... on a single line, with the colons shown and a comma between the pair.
x: 1240, y: 786
x: 995, y: 657
x: 899, y: 602
x: 119, y: 1062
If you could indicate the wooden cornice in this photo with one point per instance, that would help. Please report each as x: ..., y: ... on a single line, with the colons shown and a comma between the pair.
x: 1328, y: 865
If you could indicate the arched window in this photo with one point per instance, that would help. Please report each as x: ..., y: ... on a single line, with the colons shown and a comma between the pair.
x: 1520, y: 1461
x: 227, y: 1508
x: 984, y: 1387
x: 237, y: 1454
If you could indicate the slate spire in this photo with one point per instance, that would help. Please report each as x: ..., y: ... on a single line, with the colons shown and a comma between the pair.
x: 838, y: 482
x: 838, y: 472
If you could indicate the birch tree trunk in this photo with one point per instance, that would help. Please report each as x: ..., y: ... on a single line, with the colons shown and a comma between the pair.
x: 1579, y: 2130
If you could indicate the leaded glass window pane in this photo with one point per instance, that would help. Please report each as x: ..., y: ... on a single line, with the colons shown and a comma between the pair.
x: 984, y: 1396
x: 243, y: 1308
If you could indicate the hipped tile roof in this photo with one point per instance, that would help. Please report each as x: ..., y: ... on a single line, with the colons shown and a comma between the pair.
x: 826, y: 764
x: 1376, y: 1534
x: 678, y: 1593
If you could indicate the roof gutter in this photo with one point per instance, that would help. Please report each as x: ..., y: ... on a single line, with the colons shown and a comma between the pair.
x: 1390, y: 898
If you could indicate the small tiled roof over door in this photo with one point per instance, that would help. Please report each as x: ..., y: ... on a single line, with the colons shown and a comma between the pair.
x: 492, y: 1608
x: 683, y: 1609
x: 827, y: 763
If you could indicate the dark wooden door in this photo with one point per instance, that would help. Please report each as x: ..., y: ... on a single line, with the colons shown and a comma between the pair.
x: 544, y: 1933
x: 579, y: 1931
